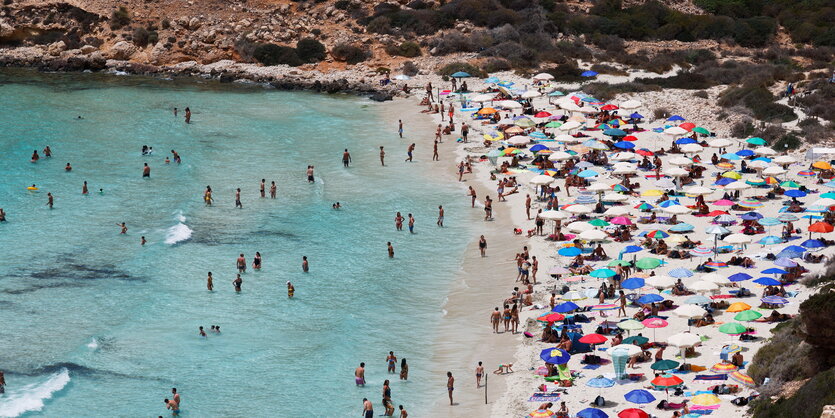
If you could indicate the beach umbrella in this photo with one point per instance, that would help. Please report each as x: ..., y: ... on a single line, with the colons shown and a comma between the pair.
x: 701, y: 130
x: 633, y: 283
x: 578, y: 209
x: 742, y: 378
x: 774, y: 300
x: 716, y: 264
x: 632, y: 413
x: 554, y: 356
x: 812, y: 244
x: 675, y: 130
x: 615, y: 197
x: 698, y: 190
x: 588, y: 73
x: 737, y: 239
x: 685, y: 140
x: 732, y: 175
x: 651, y: 193
x: 621, y: 220
x: 639, y: 396
x: 744, y: 153
x: 553, y: 215
x: 647, y: 263
x: 689, y: 312
x: 541, y: 180
x: 795, y: 193
x: 579, y: 226
x: 821, y: 227
x: 543, y: 76
x: 685, y: 339
x: 630, y: 325
x: 716, y: 230
x: 598, y: 222
x: 680, y: 273
x: 807, y: 173
x: 460, y: 74
x: 602, y: 273
x: 676, y: 209
x: 738, y: 277
x: 751, y: 216
x: 774, y: 270
x: 748, y: 315
x: 732, y: 328
x: 542, y: 413
x: 624, y: 144
x: 650, y: 298
x: 551, y: 317
x: 785, y: 262
x: 636, y: 340
x: 792, y: 251
x: 823, y: 165
x: 720, y: 143
x: 698, y: 300
x: 750, y: 203
x: 705, y: 399
x: 654, y: 323
x: 644, y: 206
x: 661, y: 282
x: 703, y: 286
x: 701, y: 251
x: 593, y: 339
x: 593, y: 412
x: 723, y: 368
x: 657, y: 233
x: 662, y: 365
x: 787, y: 217
x: 738, y: 307
x: 566, y: 307
x: 614, y: 263
x: 667, y: 381
x: 715, y: 278
x: 768, y: 281
x: 593, y: 235
x: 731, y: 156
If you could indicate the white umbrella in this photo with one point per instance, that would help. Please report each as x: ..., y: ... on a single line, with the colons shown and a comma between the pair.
x: 737, y: 239
x: 630, y: 104
x: 698, y: 190
x: 685, y: 339
x: 625, y: 169
x: 675, y: 130
x: 738, y: 185
x: 764, y: 151
x: 579, y: 226
x: 617, y: 211
x: 530, y: 94
x: 578, y: 209
x: 689, y: 311
x: 774, y: 170
x: 509, y: 104
x: 716, y: 279
x: 720, y: 143
x: 660, y: 282
x: 681, y: 161
x: 691, y: 148
x: 676, y: 172
x: 785, y: 159
x: 587, y: 110
x: 623, y: 156
x: 519, y: 140
x: 569, y: 125
x: 825, y: 201
x: 553, y: 215
x: 543, y: 76
x: 676, y: 209
x: 599, y: 187
x: 593, y: 235
x: 574, y: 295
x: 628, y: 350
x: 665, y: 184
x: 541, y: 180
x: 569, y: 139
x: 559, y: 156
x: 481, y: 98
x: 615, y: 197
x: 703, y: 286
x: 758, y: 164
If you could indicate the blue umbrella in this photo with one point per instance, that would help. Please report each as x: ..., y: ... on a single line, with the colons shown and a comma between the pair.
x: 792, y: 251
x: 680, y: 273
x: 538, y: 147
x: 738, y: 277
x: 588, y: 173
x: 491, y: 80
x: 614, y: 132
x: 768, y: 281
x: 768, y: 160
x: 588, y: 74
x: 565, y: 307
x: 731, y: 156
x: 769, y: 221
x: 774, y: 270
x: 570, y: 251
x: 675, y: 118
x: 554, y: 356
x: 639, y: 396
x: 632, y: 249
x: 698, y: 300
x: 633, y: 283
x: 592, y: 413
x: 686, y: 140
x: 770, y: 240
x: 650, y: 298
x: 812, y: 243
x: 774, y: 300
x: 600, y: 383
x: 724, y: 181
x: 537, y: 135
x: 682, y: 227
x: 460, y: 74
x: 794, y: 193
x: 745, y: 153
x: 751, y: 216
x: 636, y: 115
x: 668, y: 203
x: 624, y: 145
x: 785, y: 262
x: 505, y: 83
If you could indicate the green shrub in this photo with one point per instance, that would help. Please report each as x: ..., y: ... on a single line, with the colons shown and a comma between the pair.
x: 409, y: 68
x: 759, y: 100
x: 605, y: 91
x: 494, y: 65
x: 566, y: 72
x: 349, y: 53
x: 807, y: 402
x: 140, y: 37
x: 455, y: 67
x: 271, y: 54
x: 311, y: 50
x: 120, y: 18
x: 406, y: 49
x: 790, y: 139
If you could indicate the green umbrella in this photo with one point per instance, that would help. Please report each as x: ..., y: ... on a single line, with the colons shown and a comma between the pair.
x: 701, y: 130
x: 618, y: 263
x: 664, y: 365
x: 828, y: 195
x: 748, y: 315
x: 636, y: 339
x: 790, y: 184
x: 599, y: 222
x: 553, y: 124
x: 631, y: 325
x: 755, y: 141
x: 602, y: 273
x: 647, y: 263
x: 732, y: 328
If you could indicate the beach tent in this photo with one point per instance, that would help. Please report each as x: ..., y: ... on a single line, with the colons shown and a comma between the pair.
x: 820, y: 153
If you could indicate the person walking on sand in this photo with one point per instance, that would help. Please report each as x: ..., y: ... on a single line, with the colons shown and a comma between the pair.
x: 273, y: 189
x: 435, y: 156
x: 346, y: 158
x: 238, y: 198
x: 534, y: 268
x: 390, y: 249
x: 241, y: 263
x: 391, y: 361
x: 482, y: 246
x: 209, y: 285
x: 146, y: 171
x: 438, y: 133
x: 622, y: 302
x: 495, y: 318
x: 411, y: 224
x: 440, y: 216
x: 263, y: 187
x: 188, y: 115
x: 473, y: 196
x: 237, y: 283
x: 479, y: 372
x: 528, y: 206
x: 382, y: 156
x: 400, y: 128
x: 50, y: 201
x: 207, y: 196
x: 409, y: 152
x: 305, y: 264
x: 310, y: 174
x: 359, y: 375
x: 450, y: 385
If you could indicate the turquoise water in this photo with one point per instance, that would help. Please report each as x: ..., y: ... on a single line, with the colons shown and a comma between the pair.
x: 93, y: 324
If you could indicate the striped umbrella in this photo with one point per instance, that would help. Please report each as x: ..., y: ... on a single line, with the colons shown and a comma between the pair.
x: 701, y: 251
x: 542, y: 413
x: 750, y: 203
x: 806, y: 173
x: 723, y: 368
x: 606, y: 307
x: 657, y: 234
x: 742, y: 378
x: 680, y: 273
x: 716, y: 264
x: 774, y: 300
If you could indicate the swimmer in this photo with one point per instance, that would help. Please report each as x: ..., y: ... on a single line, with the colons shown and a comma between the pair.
x: 262, y: 187
x: 256, y: 262
x: 337, y: 206
x: 202, y: 333
x: 142, y: 240
x: 47, y: 152
x: 238, y: 198
x: 68, y: 167
x: 35, y: 156
x: 84, y: 188
x: 440, y: 216
x: 403, y: 413
x: 305, y: 265
x: 237, y: 283
x: 146, y: 171
x: 241, y: 263
x: 175, y: 410
x: 167, y: 161
x: 382, y: 156
x: 209, y: 284
x: 175, y: 112
x: 359, y: 375
x: 310, y: 174
x: 346, y: 158
x: 2, y: 215
x: 101, y: 191
x: 188, y: 115
x: 272, y: 190
x: 50, y: 201
x: 217, y: 329
x: 2, y: 383
x: 390, y: 249
x: 123, y: 227
x: 207, y: 196
x: 290, y: 290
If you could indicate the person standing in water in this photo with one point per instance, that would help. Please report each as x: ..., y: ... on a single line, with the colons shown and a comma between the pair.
x: 391, y: 360
x: 310, y: 174
x: 409, y: 152
x: 47, y: 153
x: 209, y: 285
x: 2, y: 382
x: 411, y: 224
x: 175, y: 397
x: 237, y: 283
x: 290, y: 290
x: 346, y: 158
x: 169, y: 404
x: 142, y: 240
x: 450, y: 385
x: 382, y: 156
x: 272, y: 190
x: 50, y: 201
x: 473, y: 197
x: 305, y: 264
x: 403, y: 413
x: 84, y: 190
x: 390, y: 249
x: 124, y: 228
x: 398, y: 221
x: 3, y: 216
x: 146, y: 171
x: 367, y: 408
x: 188, y: 115
x: 482, y: 246
x: 404, y: 369
x: 359, y: 375
x: 238, y: 198
x: 263, y: 187
x: 207, y: 196
x: 256, y: 262
x: 175, y: 112
x: 35, y: 156
x: 241, y: 263
x: 400, y: 127
x: 68, y: 167
x: 440, y: 216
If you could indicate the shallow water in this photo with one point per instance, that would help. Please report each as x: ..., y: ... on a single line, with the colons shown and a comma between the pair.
x: 93, y: 324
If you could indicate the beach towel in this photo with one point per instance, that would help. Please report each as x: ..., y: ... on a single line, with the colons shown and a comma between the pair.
x: 711, y: 377
x: 544, y: 397
x: 563, y: 372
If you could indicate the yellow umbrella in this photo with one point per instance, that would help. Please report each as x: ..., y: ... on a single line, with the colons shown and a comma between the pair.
x: 823, y: 165
x: 705, y: 399
x: 725, y: 165
x: 738, y: 307
x: 676, y: 239
x: 494, y: 136
x: 652, y: 193
x: 732, y: 175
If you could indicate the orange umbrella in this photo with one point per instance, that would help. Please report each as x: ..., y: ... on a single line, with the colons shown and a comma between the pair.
x: 821, y: 227
x: 551, y: 317
x: 487, y: 111
x: 738, y: 307
x: 667, y: 381
x: 823, y: 165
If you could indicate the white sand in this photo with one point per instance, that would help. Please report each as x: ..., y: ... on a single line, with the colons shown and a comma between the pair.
x: 466, y: 336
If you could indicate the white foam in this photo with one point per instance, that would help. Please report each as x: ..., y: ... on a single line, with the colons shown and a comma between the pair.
x: 177, y: 233
x: 93, y: 344
x: 31, y: 397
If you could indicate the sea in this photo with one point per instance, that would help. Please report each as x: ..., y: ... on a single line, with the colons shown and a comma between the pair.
x: 93, y: 324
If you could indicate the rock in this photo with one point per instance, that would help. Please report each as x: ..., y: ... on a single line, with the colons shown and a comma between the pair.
x: 381, y: 96
x: 88, y: 49
x: 828, y: 411
x: 56, y: 48
x: 194, y: 23
x: 122, y: 50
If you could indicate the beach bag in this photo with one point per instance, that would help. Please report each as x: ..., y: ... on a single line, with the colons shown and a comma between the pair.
x: 662, y: 405
x: 740, y: 401
x: 599, y: 401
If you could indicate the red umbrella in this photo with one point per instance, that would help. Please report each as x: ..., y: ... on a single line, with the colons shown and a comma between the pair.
x: 632, y: 413
x: 717, y: 213
x: 687, y: 125
x: 551, y: 317
x: 646, y: 153
x: 821, y: 227
x: 609, y: 107
x: 542, y: 115
x: 667, y: 381
x: 593, y: 339
x: 630, y: 138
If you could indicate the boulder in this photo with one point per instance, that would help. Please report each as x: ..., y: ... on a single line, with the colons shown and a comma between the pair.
x: 122, y: 50
x: 56, y: 48
x: 88, y: 49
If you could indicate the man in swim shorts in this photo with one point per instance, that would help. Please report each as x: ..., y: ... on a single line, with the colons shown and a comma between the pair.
x: 409, y: 152
x: 367, y: 408
x: 450, y: 385
x: 169, y: 404
x: 359, y: 375
x: 241, y: 262
x: 440, y: 216
x: 346, y: 158
x: 238, y: 198
x: 479, y: 371
x: 310, y: 174
x: 146, y: 171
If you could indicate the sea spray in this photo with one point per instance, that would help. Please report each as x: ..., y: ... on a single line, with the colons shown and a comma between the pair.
x: 178, y: 233
x: 31, y: 397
